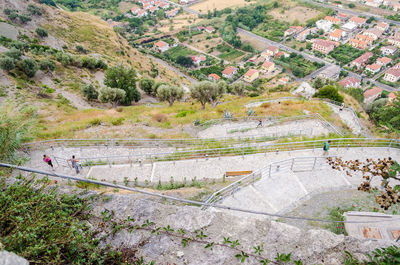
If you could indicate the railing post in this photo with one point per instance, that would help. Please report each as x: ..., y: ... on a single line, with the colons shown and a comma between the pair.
x: 340, y: 141
x: 291, y: 167
x: 108, y: 160
x: 315, y: 161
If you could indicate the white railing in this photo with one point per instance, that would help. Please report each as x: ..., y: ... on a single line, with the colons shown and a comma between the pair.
x: 231, y: 151
x: 284, y: 166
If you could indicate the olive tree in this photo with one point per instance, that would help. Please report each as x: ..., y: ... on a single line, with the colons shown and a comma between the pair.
x: 7, y: 63
x: 208, y: 92
x: 170, y: 93
x: 30, y: 67
x: 125, y: 79
x: 147, y: 85
x: 111, y: 95
x: 239, y: 88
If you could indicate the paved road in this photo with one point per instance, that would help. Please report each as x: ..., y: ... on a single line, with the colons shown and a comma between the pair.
x: 354, y: 13
x: 185, y: 8
x: 170, y: 67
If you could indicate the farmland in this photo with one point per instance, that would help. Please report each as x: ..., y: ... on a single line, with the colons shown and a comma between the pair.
x: 206, y: 5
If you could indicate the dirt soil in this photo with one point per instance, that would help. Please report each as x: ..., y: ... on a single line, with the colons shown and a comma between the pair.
x: 299, y: 13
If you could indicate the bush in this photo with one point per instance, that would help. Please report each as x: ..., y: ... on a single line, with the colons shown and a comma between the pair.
x: 46, y: 228
x: 7, y: 63
x: 160, y: 117
x: 41, y: 32
x: 34, y: 10
x: 47, y: 65
x: 170, y: 93
x: 89, y: 63
x: 14, y: 53
x: 24, y: 18
x: 29, y: 67
x: 111, y: 95
x: 90, y: 92
x: 329, y: 92
x: 80, y: 49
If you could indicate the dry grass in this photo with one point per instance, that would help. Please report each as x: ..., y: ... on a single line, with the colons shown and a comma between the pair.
x: 294, y: 13
x: 125, y: 6
x: 206, y: 5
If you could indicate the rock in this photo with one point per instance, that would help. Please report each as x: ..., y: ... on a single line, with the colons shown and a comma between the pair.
x: 9, y: 258
x: 190, y: 218
x: 180, y: 254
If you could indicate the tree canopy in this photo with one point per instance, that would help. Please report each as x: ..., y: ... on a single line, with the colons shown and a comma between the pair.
x: 125, y: 79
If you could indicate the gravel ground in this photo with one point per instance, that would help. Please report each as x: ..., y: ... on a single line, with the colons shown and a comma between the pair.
x: 320, y: 205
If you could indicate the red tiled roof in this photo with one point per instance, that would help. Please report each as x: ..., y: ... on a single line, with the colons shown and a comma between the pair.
x: 358, y: 20
x: 350, y: 80
x: 372, y: 92
x: 384, y: 60
x: 229, y: 70
x: 161, y: 44
x: 393, y: 71
x: 373, y: 67
x: 251, y: 72
x: 214, y: 76
x: 363, y: 58
x: 267, y: 64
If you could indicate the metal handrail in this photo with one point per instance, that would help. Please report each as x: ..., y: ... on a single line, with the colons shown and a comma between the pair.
x: 236, y: 150
x: 267, y: 171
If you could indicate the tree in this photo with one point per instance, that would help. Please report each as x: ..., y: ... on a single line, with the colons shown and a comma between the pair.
x: 351, y: 5
x: 239, y: 88
x: 34, y: 10
x: 318, y: 83
x: 111, y: 95
x: 184, y: 61
x: 388, y: 115
x: 29, y: 66
x: 207, y: 92
x: 170, y: 93
x: 7, y: 63
x: 329, y: 92
x: 125, y: 79
x: 41, y: 32
x: 147, y: 85
x: 90, y: 92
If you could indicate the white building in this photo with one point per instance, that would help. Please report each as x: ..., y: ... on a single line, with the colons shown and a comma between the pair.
x: 325, y: 25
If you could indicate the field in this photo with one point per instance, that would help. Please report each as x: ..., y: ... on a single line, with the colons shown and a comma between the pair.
x: 228, y: 53
x: 218, y: 4
x: 125, y: 6
x: 296, y: 13
x: 178, y: 23
x: 255, y: 43
x: 177, y: 51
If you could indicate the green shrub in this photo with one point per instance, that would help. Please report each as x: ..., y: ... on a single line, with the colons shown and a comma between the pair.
x: 183, y: 113
x: 95, y: 122
x: 34, y: 10
x: 118, y: 121
x: 329, y: 92
x: 41, y: 32
x: 13, y: 53
x: 47, y: 65
x: 29, y: 67
x: 7, y: 63
x: 90, y: 92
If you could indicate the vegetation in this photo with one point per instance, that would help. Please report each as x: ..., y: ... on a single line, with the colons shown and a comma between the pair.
x: 15, y: 128
x: 147, y: 85
x: 385, y: 114
x: 208, y: 92
x: 41, y: 32
x: 122, y: 78
x: 29, y: 67
x: 170, y: 93
x: 90, y: 92
x: 329, y: 92
x: 357, y: 93
x: 299, y: 66
x: 344, y: 54
x: 112, y: 95
x: 395, y: 17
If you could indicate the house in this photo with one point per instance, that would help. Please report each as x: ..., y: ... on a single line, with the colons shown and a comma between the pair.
x: 373, y: 68
x: 209, y: 29
x: 388, y: 50
x: 251, y: 75
x: 161, y: 46
x: 383, y: 61
x: 349, y: 26
x: 135, y: 10
x: 292, y: 30
x: 372, y: 94
x: 332, y: 72
x: 392, y: 96
x: 272, y: 50
x: 304, y: 90
x: 337, y: 35
x: 323, y: 46
x: 369, y: 40
x: 142, y: 13
x: 229, y: 72
x: 374, y: 33
x: 265, y: 55
x: 283, y: 81
x: 397, y: 66
x: 358, y: 20
x: 395, y: 39
x: 214, y: 77
x: 342, y: 16
x: 162, y: 4
x: 324, y: 25
x: 153, y: 9
x: 362, y: 60
x: 268, y: 66
x: 302, y: 36
x: 198, y: 59
x: 392, y: 75
x: 359, y: 44
x: 333, y: 20
x: 350, y: 81
x: 382, y: 26
x: 280, y: 54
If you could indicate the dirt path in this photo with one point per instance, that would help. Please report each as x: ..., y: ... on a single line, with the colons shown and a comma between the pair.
x: 76, y: 100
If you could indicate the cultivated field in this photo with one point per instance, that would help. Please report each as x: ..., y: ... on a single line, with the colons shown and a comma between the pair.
x: 206, y: 5
x: 295, y: 13
x: 179, y: 22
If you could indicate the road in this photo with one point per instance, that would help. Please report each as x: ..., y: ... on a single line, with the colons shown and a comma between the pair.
x: 185, y: 8
x: 354, y: 13
x: 170, y: 67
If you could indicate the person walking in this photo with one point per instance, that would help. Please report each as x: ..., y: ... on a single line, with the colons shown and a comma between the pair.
x: 74, y: 163
x: 47, y: 160
x: 341, y: 107
x: 326, y: 147
x: 259, y: 123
